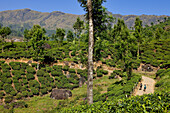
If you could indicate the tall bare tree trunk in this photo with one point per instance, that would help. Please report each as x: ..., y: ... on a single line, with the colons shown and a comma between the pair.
x: 90, y: 55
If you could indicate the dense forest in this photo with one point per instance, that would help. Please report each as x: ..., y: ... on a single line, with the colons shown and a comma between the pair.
x: 31, y: 69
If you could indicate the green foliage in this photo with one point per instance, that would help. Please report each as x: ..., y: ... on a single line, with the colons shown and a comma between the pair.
x: 145, y: 103
x: 99, y: 74
x: 163, y: 84
x: 30, y: 76
x: 34, y: 83
x: 8, y: 98
x: 31, y: 70
x: 2, y: 94
x: 70, y: 36
x: 34, y: 91
x: 60, y: 33
x: 122, y: 88
x: 71, y: 70
x: 19, y: 96
x: 65, y: 68
x: 40, y: 73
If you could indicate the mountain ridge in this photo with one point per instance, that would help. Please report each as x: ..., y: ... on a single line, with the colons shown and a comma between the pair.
x: 26, y: 18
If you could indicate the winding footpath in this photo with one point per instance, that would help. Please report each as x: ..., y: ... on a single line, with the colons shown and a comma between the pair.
x: 150, y: 84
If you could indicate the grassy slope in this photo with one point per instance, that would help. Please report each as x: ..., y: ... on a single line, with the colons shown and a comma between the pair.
x: 45, y: 103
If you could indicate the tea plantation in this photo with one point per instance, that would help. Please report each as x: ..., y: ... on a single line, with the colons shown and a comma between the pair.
x: 30, y: 70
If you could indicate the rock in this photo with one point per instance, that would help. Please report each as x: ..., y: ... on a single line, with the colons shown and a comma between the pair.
x: 116, y: 76
x: 29, y: 62
x: 147, y: 67
x: 60, y: 94
x: 68, y: 75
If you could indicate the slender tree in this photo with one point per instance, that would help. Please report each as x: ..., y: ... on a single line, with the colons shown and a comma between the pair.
x: 90, y: 54
x: 88, y: 7
x: 60, y: 33
x: 70, y: 36
x: 78, y: 27
x: 27, y: 36
x: 138, y: 33
x: 38, y: 40
x: 4, y: 32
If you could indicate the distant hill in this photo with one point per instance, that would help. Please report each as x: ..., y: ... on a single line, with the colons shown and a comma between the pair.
x: 26, y: 18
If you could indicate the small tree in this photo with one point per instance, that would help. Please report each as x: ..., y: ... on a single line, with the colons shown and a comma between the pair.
x: 38, y: 40
x: 70, y: 36
x: 138, y: 33
x: 78, y: 27
x: 4, y: 32
x: 27, y: 36
x: 60, y: 33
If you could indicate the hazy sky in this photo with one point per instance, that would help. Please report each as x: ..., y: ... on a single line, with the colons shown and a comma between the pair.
x: 124, y: 7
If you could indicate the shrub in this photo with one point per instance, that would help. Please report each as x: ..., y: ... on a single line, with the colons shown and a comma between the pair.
x: 34, y: 64
x: 57, y: 67
x: 48, y: 69
x: 30, y: 94
x: 34, y: 83
x: 13, y: 93
x: 112, y: 76
x: 17, y: 67
x: 8, y: 99
x: 34, y: 91
x: 1, y: 85
x: 160, y: 72
x: 30, y: 76
x: 9, y: 81
x: 25, y: 93
x: 31, y: 70
x: 6, y: 66
x: 19, y: 96
x: 79, y: 71
x: 19, y: 104
x: 42, y: 80
x: 72, y: 70
x: 43, y: 91
x: 2, y: 94
x: 65, y: 68
x: 24, y: 65
x: 18, y: 86
x: 8, y: 88
x: 73, y: 53
x: 4, y: 70
x: 40, y: 73
x: 49, y: 89
x: 24, y: 81
x: 118, y: 72
x: 105, y: 72
x: 99, y: 74
x: 2, y: 62
x: 46, y: 75
x: 56, y: 73
x: 50, y: 79
x: 6, y: 74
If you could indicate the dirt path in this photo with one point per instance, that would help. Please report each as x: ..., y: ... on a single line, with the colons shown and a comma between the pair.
x: 150, y: 84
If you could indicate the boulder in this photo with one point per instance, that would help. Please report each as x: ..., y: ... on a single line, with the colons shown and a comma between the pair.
x: 147, y: 67
x: 29, y: 62
x: 60, y: 94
